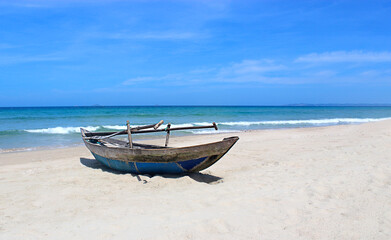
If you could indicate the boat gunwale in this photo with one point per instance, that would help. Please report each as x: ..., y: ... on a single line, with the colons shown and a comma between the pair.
x: 160, y: 149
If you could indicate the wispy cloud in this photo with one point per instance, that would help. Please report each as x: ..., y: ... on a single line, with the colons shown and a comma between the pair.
x: 138, y: 80
x: 169, y: 35
x: 251, y: 67
x: 50, y: 4
x: 324, y: 73
x: 6, y: 46
x: 257, y: 72
x: 343, y: 56
x: 246, y: 71
x: 164, y: 35
x: 253, y: 71
x: 29, y: 5
x: 376, y: 73
x: 5, y: 60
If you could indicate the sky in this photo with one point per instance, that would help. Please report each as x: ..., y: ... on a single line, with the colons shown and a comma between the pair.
x: 101, y: 52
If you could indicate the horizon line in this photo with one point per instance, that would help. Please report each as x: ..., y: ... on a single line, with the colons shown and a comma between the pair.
x: 269, y: 105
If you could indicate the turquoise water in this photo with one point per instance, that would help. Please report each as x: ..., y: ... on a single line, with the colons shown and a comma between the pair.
x: 59, y: 126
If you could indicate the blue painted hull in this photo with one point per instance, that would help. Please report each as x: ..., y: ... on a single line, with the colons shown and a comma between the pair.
x: 151, y: 167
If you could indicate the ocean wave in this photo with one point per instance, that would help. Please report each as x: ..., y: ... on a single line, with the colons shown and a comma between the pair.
x: 60, y: 130
x: 202, y: 123
x: 174, y: 125
x: 303, y: 122
x: 116, y: 127
x: 9, y: 150
x: 180, y: 125
x: 119, y: 127
x: 68, y: 130
x: 213, y: 131
x: 308, y: 122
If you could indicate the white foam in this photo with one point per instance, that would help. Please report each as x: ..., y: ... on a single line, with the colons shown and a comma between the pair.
x: 309, y: 121
x: 119, y: 127
x: 116, y: 127
x: 179, y: 125
x: 9, y: 150
x: 212, y: 131
x: 60, y: 130
x: 202, y: 123
x: 314, y: 122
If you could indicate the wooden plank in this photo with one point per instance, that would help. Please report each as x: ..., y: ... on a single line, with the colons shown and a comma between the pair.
x: 168, y: 134
x: 154, y: 126
x: 129, y: 134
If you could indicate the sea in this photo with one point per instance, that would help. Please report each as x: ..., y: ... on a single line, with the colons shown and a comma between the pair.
x: 30, y: 128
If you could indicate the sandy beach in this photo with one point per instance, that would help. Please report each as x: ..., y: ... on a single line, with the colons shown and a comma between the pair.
x: 308, y: 183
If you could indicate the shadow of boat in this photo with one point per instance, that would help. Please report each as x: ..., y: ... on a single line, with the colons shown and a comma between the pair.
x: 196, y: 176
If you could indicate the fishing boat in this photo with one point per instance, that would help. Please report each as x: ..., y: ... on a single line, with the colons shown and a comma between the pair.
x: 137, y: 158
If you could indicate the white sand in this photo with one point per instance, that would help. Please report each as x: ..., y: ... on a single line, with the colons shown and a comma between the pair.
x: 313, y: 183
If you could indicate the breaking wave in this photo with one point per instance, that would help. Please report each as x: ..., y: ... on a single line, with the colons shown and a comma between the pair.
x: 60, y: 130
x: 331, y: 121
x: 68, y: 130
x: 213, y: 131
x: 239, y: 124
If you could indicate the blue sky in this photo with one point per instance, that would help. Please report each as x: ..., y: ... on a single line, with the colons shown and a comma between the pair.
x: 71, y: 53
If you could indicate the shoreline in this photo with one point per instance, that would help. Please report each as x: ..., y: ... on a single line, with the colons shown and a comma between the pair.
x: 160, y: 140
x: 75, y: 145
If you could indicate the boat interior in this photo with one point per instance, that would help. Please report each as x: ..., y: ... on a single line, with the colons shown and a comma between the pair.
x: 112, y: 142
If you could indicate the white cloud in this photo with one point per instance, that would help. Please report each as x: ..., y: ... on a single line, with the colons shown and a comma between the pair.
x: 6, y: 46
x: 164, y: 35
x: 50, y: 4
x: 255, y: 72
x: 246, y: 71
x: 139, y: 79
x: 324, y: 73
x: 149, y: 79
x: 251, y: 67
x: 343, y: 56
x: 168, y: 35
x: 4, y: 60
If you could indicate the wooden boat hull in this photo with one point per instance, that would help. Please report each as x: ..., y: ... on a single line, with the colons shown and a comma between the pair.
x: 160, y: 160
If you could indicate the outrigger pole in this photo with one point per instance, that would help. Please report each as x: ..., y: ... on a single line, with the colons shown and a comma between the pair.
x: 103, y: 135
x: 129, y: 134
x: 136, y: 130
x: 168, y: 134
